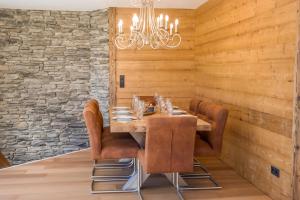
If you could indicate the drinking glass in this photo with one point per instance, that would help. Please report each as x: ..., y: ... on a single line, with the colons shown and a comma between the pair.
x: 162, y: 105
x: 169, y: 107
x: 135, y: 103
x: 140, y: 110
x: 156, y: 97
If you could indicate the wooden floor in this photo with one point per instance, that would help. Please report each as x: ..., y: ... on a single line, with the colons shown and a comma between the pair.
x: 67, y: 177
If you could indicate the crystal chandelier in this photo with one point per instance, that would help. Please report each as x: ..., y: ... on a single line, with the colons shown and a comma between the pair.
x: 148, y: 30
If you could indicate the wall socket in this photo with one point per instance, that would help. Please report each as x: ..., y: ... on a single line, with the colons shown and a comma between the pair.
x: 275, y: 171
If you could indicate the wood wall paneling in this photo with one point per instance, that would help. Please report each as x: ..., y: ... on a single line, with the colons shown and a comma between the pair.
x: 245, y: 55
x: 238, y: 53
x: 296, y: 127
x: 168, y: 72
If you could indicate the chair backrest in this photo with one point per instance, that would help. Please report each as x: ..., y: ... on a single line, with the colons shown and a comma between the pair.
x: 170, y: 144
x: 193, y: 107
x: 148, y: 99
x: 3, y: 161
x: 217, y: 116
x: 94, y: 123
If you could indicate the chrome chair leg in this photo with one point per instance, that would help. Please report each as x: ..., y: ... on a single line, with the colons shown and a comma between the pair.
x: 108, y: 191
x: 205, y: 175
x: 136, y: 165
x: 178, y: 189
x: 107, y: 178
x: 139, y: 183
x: 112, y: 179
x: 197, y: 163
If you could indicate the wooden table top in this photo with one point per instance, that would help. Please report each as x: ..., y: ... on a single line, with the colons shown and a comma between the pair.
x: 139, y: 126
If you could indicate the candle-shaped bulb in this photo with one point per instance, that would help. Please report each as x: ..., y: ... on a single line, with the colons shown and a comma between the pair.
x: 161, y: 20
x: 135, y: 20
x: 176, y: 25
x: 166, y: 22
x: 131, y: 29
x: 157, y: 21
x: 171, y: 28
x: 120, y: 26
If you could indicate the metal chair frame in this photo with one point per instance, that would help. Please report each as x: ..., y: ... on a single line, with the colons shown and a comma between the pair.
x: 96, y: 179
x: 205, y: 175
x: 125, y: 165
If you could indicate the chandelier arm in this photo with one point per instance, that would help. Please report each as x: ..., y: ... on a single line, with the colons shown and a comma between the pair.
x: 149, y: 31
x: 177, y: 44
x: 142, y: 41
x: 154, y: 29
x: 121, y: 46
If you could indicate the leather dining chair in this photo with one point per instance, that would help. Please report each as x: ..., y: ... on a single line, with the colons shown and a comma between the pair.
x: 106, y: 146
x: 3, y: 161
x: 148, y: 99
x: 169, y: 147
x: 194, y: 104
x: 209, y: 144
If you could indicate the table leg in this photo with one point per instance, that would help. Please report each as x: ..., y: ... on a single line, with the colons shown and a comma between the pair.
x: 132, y: 183
x: 139, y: 138
x: 171, y: 179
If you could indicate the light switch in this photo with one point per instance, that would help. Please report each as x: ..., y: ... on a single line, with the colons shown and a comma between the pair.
x: 122, y: 81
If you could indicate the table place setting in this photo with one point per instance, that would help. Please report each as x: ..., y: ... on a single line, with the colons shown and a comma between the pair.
x: 122, y: 112
x: 141, y: 108
x: 124, y: 118
x: 121, y: 108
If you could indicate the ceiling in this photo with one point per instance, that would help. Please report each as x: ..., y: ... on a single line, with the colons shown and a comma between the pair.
x: 88, y: 5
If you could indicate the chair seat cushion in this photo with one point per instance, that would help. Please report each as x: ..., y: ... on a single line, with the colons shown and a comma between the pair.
x: 202, y: 148
x: 118, y: 148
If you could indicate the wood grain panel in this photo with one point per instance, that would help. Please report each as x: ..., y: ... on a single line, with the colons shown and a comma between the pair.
x: 168, y: 72
x: 296, y: 124
x: 245, y: 55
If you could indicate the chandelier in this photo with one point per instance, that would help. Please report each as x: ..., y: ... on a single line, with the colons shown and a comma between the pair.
x: 148, y: 30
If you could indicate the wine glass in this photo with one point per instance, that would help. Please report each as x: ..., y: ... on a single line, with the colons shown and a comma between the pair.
x: 135, y: 103
x: 140, y: 109
x: 162, y: 105
x: 169, y: 107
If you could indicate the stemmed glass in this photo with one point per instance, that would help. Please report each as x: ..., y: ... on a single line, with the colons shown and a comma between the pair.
x: 135, y: 102
x: 140, y: 109
x: 169, y: 107
x: 161, y: 104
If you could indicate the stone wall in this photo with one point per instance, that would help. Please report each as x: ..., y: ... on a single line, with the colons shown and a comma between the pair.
x: 51, y: 63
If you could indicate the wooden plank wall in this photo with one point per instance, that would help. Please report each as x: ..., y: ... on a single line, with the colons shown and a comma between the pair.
x: 296, y: 128
x: 245, y: 57
x: 168, y: 72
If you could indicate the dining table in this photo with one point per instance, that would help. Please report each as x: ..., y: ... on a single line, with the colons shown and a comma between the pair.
x: 137, y: 129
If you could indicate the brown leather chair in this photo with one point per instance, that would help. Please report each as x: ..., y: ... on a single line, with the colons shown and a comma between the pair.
x: 169, y: 146
x: 210, y: 143
x: 107, y: 146
x: 148, y: 99
x: 3, y: 161
x: 193, y: 107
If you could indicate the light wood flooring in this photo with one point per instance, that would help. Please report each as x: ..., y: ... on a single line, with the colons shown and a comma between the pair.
x: 67, y: 177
